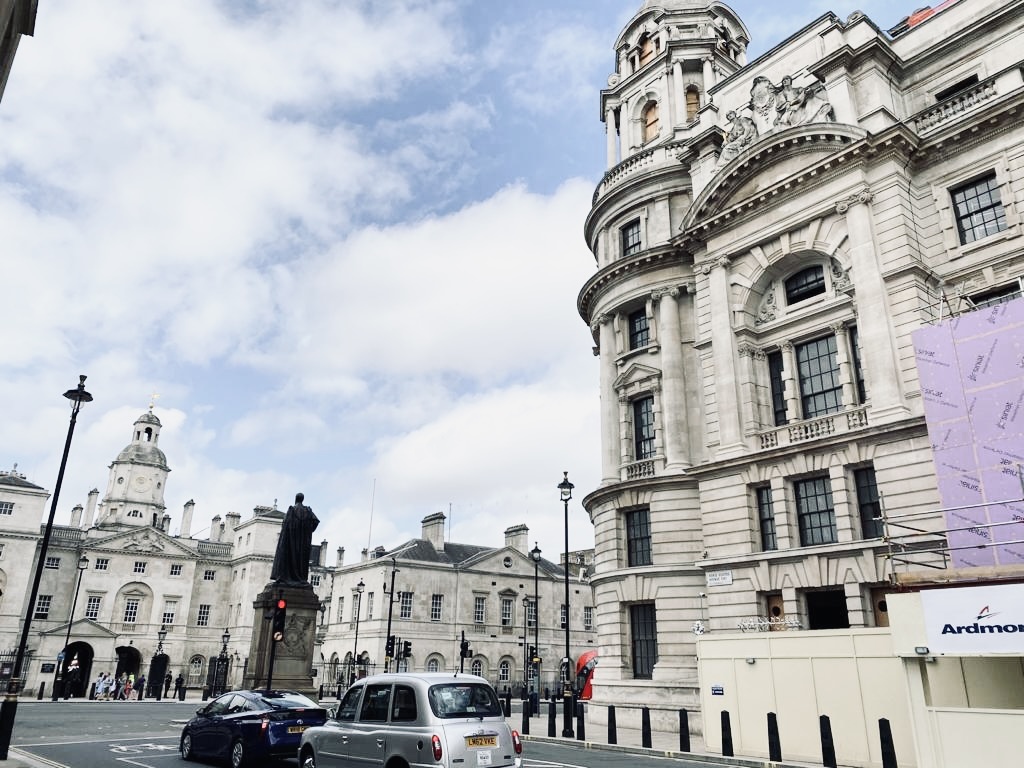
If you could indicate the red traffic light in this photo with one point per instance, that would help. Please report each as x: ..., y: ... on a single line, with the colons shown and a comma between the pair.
x: 282, y: 604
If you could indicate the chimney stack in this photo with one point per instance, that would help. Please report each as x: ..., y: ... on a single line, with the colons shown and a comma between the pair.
x: 186, y: 519
x: 76, y: 516
x: 433, y: 530
x: 517, y: 538
x: 90, y: 507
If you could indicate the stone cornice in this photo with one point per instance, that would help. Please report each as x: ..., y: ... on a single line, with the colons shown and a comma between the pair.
x: 850, y: 59
x: 646, y: 261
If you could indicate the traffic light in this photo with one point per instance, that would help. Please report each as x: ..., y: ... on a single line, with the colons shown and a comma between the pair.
x: 534, y: 658
x: 406, y: 649
x: 389, y: 646
x: 280, y: 611
x: 464, y: 651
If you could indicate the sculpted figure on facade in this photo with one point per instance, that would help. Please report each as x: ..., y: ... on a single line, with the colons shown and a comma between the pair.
x: 774, y: 108
x: 741, y: 135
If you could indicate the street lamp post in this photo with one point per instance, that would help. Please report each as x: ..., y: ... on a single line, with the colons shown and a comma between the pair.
x: 535, y: 555
x: 565, y: 488
x: 526, y: 656
x: 158, y: 684
x: 221, y: 681
x: 9, y: 707
x: 60, y: 684
x: 355, y: 611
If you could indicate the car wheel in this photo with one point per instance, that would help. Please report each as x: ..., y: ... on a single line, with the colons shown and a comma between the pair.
x: 308, y: 760
x: 238, y: 757
x: 186, y: 747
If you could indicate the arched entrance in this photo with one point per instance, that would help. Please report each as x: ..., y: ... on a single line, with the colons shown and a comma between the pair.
x: 76, y: 669
x: 157, y: 671
x: 129, y: 661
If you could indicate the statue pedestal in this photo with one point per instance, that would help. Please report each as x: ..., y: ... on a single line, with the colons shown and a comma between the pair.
x: 293, y: 656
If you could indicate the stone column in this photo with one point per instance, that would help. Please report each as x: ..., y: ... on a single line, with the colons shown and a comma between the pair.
x: 750, y: 356
x: 680, y: 93
x: 610, y: 449
x: 708, y: 72
x: 673, y: 377
x: 611, y: 136
x: 723, y: 351
x: 845, y: 362
x: 790, y: 382
x: 881, y: 369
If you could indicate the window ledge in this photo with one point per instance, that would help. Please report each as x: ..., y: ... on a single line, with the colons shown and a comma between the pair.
x: 967, y: 249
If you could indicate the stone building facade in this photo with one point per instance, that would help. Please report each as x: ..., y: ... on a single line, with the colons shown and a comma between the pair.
x: 115, y: 576
x: 767, y: 236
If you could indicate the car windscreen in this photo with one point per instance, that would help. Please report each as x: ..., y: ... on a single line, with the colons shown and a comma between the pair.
x: 457, y: 699
x: 288, y: 701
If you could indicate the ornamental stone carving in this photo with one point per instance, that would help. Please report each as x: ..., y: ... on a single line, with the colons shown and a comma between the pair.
x: 863, y: 197
x: 840, y: 277
x: 769, y: 309
x: 774, y: 108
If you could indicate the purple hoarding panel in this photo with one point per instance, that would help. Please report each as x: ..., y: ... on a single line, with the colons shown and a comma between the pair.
x: 972, y: 384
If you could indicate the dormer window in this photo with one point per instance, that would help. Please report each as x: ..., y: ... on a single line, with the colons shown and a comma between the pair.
x: 805, y: 284
x: 652, y: 125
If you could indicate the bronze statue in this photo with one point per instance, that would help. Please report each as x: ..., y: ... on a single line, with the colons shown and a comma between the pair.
x: 291, y: 561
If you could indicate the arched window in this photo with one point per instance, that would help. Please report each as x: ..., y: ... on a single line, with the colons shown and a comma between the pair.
x: 477, y: 667
x: 433, y: 666
x: 195, y: 671
x: 805, y: 284
x: 647, y: 49
x: 652, y: 125
x: 504, y: 670
x: 692, y: 104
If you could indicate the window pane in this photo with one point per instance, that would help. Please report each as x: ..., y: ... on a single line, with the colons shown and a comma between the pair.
x: 979, y: 209
x: 643, y: 629
x: 815, y: 512
x: 778, y: 388
x: 766, y: 519
x: 643, y: 428
x: 820, y: 389
x: 631, y: 238
x: 638, y: 537
x: 867, y: 503
x: 804, y: 284
x: 639, y: 330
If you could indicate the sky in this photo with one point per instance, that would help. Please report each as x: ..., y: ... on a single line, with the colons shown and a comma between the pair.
x: 341, y: 240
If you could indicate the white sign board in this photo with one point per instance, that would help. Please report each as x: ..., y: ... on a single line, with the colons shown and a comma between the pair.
x: 971, y: 621
x: 718, y: 578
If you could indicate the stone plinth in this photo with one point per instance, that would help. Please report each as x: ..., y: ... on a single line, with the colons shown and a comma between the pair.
x: 293, y: 656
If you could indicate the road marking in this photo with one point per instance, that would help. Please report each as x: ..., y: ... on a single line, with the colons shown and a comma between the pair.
x: 98, y: 741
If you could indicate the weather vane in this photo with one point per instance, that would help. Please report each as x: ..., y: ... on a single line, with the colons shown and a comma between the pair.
x: 152, y: 400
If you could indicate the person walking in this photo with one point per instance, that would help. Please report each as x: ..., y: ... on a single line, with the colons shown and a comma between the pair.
x: 179, y: 683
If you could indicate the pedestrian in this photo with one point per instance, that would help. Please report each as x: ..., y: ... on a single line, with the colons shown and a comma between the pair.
x: 179, y: 683
x: 167, y: 684
x: 129, y: 684
x: 140, y: 686
x: 101, y: 686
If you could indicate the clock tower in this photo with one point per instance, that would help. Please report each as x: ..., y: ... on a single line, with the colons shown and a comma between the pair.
x: 135, y: 489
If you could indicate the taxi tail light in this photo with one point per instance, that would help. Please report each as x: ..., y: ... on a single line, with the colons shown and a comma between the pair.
x: 435, y: 745
x: 517, y: 744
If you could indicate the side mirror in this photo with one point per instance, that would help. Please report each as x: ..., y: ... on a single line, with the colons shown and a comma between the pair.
x: 201, y: 711
x: 332, y: 713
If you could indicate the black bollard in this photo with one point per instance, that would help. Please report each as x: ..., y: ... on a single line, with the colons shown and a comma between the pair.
x: 92, y: 692
x: 581, y: 734
x: 552, y: 712
x: 526, y: 719
x: 828, y: 747
x: 645, y: 727
x: 320, y: 695
x: 726, y: 734
x: 181, y: 693
x: 774, y: 745
x: 684, y: 731
x: 508, y: 703
x: 613, y: 737
x: 42, y: 688
x: 888, y: 748
x: 206, y: 693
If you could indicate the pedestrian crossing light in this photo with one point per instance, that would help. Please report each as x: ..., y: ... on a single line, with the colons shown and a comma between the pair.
x: 406, y: 649
x: 280, y: 611
x: 389, y: 646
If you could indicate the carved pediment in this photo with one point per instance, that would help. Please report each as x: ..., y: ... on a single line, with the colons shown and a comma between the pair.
x: 504, y: 560
x: 141, y: 541
x: 635, y: 375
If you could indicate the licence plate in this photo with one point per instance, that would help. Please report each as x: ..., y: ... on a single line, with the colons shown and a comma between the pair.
x: 481, y: 741
x: 296, y: 728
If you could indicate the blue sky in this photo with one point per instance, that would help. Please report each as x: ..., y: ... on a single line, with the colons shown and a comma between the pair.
x: 342, y: 240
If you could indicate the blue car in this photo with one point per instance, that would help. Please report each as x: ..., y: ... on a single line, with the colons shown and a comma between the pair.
x: 247, y: 727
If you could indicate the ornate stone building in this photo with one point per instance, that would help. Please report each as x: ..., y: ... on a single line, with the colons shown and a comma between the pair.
x: 17, y: 18
x: 767, y: 236
x: 116, y: 576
